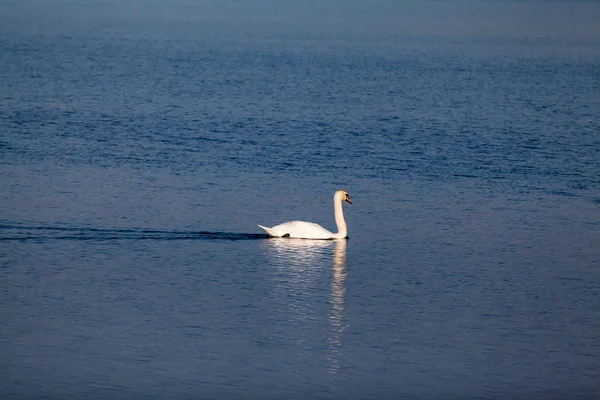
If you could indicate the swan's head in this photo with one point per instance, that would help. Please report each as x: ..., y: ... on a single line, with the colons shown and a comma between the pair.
x: 343, y: 195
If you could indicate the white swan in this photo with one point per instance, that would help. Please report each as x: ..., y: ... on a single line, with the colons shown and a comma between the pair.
x: 308, y: 230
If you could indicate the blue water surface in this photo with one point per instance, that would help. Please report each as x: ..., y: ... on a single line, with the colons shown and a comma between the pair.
x: 141, y: 144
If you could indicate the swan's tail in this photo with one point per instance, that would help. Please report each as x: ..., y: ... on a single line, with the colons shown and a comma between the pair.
x: 268, y: 230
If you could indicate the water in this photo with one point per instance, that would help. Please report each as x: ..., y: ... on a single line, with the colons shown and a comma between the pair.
x: 141, y: 148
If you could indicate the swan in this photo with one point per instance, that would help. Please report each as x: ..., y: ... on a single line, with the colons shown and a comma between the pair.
x: 309, y: 230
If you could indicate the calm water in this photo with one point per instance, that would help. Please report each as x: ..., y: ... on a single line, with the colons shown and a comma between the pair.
x: 140, y: 148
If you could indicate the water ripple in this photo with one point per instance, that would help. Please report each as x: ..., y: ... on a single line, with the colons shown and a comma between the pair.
x: 42, y: 233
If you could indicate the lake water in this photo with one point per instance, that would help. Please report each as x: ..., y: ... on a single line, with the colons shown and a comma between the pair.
x: 140, y: 148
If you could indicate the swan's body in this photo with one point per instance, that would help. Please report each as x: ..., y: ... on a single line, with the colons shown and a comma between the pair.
x: 308, y: 230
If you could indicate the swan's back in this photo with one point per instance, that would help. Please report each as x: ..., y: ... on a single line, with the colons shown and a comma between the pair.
x: 299, y: 230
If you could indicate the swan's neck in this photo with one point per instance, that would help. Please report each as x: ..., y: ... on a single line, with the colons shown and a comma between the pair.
x: 339, y: 218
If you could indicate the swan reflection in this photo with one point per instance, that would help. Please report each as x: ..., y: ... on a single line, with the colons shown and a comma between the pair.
x: 337, y: 306
x: 299, y: 265
x: 303, y: 266
x: 298, y: 252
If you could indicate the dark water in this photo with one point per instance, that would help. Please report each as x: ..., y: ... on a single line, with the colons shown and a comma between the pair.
x: 140, y: 148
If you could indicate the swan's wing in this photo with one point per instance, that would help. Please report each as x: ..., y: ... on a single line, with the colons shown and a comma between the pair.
x: 300, y: 230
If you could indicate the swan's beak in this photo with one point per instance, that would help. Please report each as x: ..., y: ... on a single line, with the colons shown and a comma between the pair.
x: 348, y: 199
